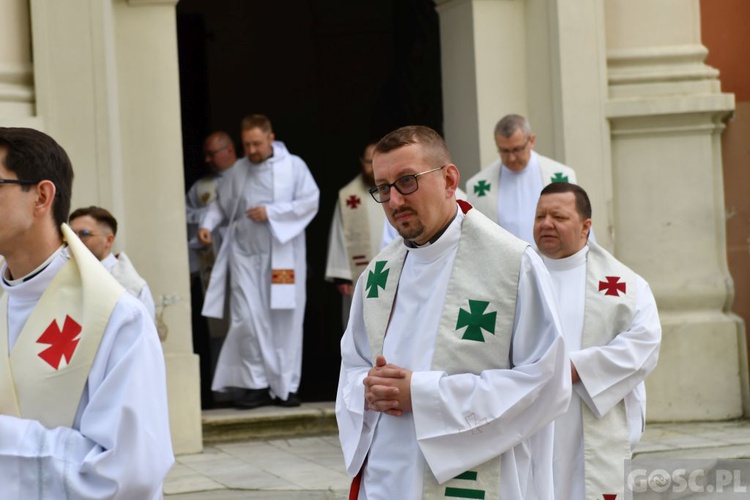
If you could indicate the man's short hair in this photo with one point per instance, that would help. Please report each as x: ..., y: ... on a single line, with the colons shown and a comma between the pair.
x: 583, y: 205
x: 257, y: 121
x: 34, y: 156
x: 99, y: 214
x: 508, y: 125
x: 416, y: 134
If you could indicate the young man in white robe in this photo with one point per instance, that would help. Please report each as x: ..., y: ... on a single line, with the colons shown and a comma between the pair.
x: 612, y: 331
x: 356, y: 232
x: 267, y: 200
x: 453, y: 364
x: 83, y: 399
x: 97, y: 229
x: 507, y: 190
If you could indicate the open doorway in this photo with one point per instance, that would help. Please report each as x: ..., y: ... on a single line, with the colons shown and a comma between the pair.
x: 331, y: 75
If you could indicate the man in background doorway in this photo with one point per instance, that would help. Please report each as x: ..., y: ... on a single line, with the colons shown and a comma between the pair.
x: 267, y: 201
x: 356, y: 232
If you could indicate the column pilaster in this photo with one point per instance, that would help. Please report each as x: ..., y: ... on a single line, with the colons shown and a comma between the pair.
x: 666, y: 113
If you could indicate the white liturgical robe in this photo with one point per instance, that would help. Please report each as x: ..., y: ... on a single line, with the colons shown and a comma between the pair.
x: 129, y: 278
x: 510, y: 198
x: 439, y: 436
x: 119, y: 445
x: 263, y: 347
x: 613, y: 372
x: 339, y: 262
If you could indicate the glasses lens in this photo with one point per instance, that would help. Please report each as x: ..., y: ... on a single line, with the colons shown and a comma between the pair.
x: 406, y: 185
x: 84, y: 233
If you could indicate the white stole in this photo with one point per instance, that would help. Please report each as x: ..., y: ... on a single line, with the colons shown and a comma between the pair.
x: 355, y: 206
x: 463, y: 344
x: 283, y: 286
x: 126, y: 275
x: 609, y: 309
x: 35, y: 382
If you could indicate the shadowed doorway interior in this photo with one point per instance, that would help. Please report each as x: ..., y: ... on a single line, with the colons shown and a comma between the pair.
x: 331, y: 75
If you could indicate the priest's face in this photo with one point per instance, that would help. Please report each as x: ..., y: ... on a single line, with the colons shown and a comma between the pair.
x: 18, y: 208
x: 559, y: 230
x: 258, y: 145
x: 96, y: 236
x: 417, y: 216
x: 515, y: 151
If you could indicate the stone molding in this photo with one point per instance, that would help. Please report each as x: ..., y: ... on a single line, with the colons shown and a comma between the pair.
x: 16, y: 82
x: 141, y: 3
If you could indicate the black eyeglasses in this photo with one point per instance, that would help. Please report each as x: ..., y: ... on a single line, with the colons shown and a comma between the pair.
x: 405, y: 185
x: 18, y: 181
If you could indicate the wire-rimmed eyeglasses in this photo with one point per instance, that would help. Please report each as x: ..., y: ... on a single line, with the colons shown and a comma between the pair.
x: 404, y: 185
x: 514, y: 151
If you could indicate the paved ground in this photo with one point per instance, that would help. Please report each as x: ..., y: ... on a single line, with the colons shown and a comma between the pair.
x: 303, y: 468
x: 311, y: 468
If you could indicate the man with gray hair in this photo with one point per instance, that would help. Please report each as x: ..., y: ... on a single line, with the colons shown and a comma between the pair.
x: 507, y: 190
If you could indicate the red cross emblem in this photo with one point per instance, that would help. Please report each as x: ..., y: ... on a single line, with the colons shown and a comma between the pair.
x: 612, y: 286
x: 61, y: 343
x: 353, y: 201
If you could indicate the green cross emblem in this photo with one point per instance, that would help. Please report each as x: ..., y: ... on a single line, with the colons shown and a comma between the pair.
x: 476, y: 321
x: 481, y: 187
x: 377, y: 279
x: 559, y: 177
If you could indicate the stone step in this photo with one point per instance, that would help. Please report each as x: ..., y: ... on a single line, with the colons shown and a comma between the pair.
x: 268, y: 422
x: 720, y: 440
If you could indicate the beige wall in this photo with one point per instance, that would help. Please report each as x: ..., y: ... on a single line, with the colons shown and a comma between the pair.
x: 724, y: 31
x: 619, y: 90
x: 106, y: 84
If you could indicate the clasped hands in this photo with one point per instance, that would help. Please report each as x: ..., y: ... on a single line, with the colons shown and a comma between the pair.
x: 388, y: 388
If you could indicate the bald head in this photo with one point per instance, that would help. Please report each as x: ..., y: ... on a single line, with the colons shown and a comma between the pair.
x: 219, y: 151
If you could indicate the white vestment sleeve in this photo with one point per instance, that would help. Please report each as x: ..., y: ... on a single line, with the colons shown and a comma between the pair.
x: 193, y: 209
x: 356, y: 425
x: 148, y: 300
x: 288, y: 219
x: 120, y: 447
x: 506, y: 406
x: 337, y: 264
x: 610, y: 372
x: 213, y: 216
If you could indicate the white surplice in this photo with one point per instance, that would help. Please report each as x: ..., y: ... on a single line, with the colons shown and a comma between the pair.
x: 144, y: 294
x: 119, y: 446
x: 197, y: 199
x: 522, y: 400
x: 338, y: 260
x: 263, y: 347
x: 613, y: 372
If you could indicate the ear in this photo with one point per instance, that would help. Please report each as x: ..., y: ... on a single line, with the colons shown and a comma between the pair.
x: 110, y: 239
x: 586, y: 228
x: 45, y: 196
x: 452, y: 177
x: 272, y: 136
x: 532, y: 138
